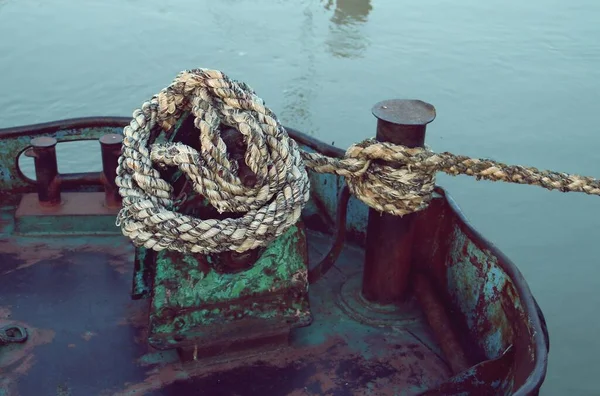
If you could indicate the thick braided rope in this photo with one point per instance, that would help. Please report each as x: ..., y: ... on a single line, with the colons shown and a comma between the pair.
x: 407, y: 186
x: 389, y: 178
x: 271, y: 206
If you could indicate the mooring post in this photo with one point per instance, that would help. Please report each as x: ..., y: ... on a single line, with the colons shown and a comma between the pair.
x: 43, y: 151
x: 110, y: 145
x: 389, y: 238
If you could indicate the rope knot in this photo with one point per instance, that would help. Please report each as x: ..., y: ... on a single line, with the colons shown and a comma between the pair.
x: 390, y: 178
x: 271, y: 204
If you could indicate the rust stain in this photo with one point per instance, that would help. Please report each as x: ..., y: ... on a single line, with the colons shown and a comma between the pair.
x: 137, y: 317
x: 156, y: 379
x: 5, y: 222
x: 326, y: 383
x: 137, y: 314
x: 32, y: 253
x: 167, y: 374
x: 29, y: 256
x: 5, y: 312
x: 334, y: 367
x: 88, y: 335
x: 25, y: 365
x: 21, y: 357
x: 8, y: 387
x: 121, y: 264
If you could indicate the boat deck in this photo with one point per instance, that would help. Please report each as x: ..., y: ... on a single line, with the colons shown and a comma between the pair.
x: 87, y: 337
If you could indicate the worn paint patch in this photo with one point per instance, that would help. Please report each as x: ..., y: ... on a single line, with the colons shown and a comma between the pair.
x: 137, y: 315
x: 6, y: 221
x: 31, y: 250
x: 317, y: 370
x: 491, y: 377
x: 88, y: 335
x: 204, y: 305
x: 374, y: 359
x: 17, y: 359
x: 7, y: 387
x: 480, y: 288
x: 34, y: 253
x: 5, y: 312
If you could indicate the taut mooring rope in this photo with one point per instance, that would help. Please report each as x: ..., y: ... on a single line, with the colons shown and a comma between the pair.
x: 402, y: 185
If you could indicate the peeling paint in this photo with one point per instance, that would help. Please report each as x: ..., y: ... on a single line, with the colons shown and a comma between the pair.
x: 477, y: 285
x: 201, y: 305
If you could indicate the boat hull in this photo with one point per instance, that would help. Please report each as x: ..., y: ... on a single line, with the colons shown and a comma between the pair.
x: 69, y: 286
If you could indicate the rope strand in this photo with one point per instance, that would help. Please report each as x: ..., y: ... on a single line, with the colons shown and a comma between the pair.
x: 389, y: 178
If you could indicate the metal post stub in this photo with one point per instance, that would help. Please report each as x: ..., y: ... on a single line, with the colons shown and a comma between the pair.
x: 46, y: 170
x: 110, y: 145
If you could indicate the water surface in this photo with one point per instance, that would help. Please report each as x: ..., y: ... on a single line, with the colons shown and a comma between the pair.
x: 511, y: 80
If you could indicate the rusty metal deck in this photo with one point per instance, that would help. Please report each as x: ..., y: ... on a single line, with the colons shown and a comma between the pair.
x: 87, y: 337
x: 66, y: 275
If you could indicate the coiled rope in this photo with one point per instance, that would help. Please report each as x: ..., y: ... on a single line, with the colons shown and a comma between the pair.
x: 389, y: 178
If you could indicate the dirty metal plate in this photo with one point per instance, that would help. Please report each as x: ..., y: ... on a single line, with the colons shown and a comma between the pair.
x: 87, y: 337
x: 79, y: 213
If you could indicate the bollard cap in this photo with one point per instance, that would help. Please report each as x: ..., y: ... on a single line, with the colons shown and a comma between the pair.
x: 111, y: 138
x: 404, y: 111
x: 43, y: 141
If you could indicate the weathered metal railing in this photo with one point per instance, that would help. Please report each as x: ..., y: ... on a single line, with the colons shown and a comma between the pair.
x: 49, y: 181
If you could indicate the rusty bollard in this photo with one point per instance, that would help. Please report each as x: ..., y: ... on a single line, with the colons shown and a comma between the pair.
x: 110, y: 145
x: 390, y: 238
x: 43, y: 151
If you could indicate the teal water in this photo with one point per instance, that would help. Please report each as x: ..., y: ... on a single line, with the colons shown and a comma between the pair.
x: 514, y: 81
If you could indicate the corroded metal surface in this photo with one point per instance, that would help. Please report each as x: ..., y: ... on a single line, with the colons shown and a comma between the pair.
x: 406, y: 112
x: 196, y: 306
x: 440, y: 323
x: 492, y: 308
x: 490, y: 377
x: 72, y: 295
x: 88, y: 338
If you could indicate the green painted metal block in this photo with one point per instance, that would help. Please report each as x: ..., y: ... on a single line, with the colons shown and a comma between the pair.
x: 197, y: 302
x: 143, y: 273
x: 195, y: 306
